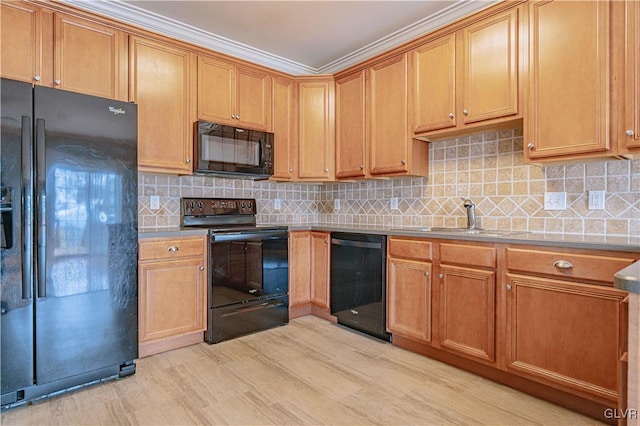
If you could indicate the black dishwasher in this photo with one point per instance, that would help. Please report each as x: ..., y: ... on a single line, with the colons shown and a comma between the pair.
x: 358, y: 282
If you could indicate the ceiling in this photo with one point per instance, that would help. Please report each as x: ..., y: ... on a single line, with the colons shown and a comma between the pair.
x: 297, y: 37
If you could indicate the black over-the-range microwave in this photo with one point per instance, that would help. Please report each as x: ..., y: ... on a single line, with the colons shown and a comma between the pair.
x: 233, y: 151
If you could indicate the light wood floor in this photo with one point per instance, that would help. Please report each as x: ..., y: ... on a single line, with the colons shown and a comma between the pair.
x: 308, y: 372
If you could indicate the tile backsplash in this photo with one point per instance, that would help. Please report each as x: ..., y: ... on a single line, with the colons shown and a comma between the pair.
x: 488, y: 168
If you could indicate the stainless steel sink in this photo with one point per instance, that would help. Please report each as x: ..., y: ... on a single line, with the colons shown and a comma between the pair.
x: 475, y: 231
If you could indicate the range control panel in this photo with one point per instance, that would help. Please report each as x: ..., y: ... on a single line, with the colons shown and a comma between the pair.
x: 217, y: 206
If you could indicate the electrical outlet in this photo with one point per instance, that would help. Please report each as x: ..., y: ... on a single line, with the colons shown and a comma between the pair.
x: 336, y: 204
x: 555, y: 200
x: 154, y: 202
x: 596, y: 200
x: 394, y: 203
x: 277, y: 204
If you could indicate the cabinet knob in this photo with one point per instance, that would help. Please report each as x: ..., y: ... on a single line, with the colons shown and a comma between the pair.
x: 441, y: 276
x: 508, y: 286
x: 233, y: 116
x: 361, y: 166
x: 629, y: 133
x: 173, y: 248
x: 36, y: 77
x: 326, y: 170
x: 188, y: 160
x: 465, y: 112
x: 201, y: 268
x: 290, y: 170
x: 403, y: 162
x: 57, y: 82
x: 451, y: 115
x: 531, y: 146
x: 563, y: 264
x: 426, y: 274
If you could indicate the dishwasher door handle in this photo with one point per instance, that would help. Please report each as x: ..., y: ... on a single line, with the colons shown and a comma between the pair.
x: 351, y: 243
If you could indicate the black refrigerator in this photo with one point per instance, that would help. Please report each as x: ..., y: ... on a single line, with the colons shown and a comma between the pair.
x: 69, y: 310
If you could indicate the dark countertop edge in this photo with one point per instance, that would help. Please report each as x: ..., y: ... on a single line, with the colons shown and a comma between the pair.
x: 592, y: 242
x: 628, y: 279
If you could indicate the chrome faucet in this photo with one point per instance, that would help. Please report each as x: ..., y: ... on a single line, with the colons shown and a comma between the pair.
x: 471, y: 213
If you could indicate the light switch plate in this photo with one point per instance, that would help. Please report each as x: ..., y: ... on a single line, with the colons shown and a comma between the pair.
x: 394, y: 203
x: 336, y: 204
x: 555, y: 200
x: 596, y: 200
x: 277, y: 204
x: 154, y: 202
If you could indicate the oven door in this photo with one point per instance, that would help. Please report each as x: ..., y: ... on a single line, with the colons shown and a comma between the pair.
x: 248, y: 265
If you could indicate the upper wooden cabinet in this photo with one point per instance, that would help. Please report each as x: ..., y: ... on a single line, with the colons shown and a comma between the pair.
x: 63, y: 51
x: 283, y: 127
x: 351, y: 126
x: 90, y: 58
x: 568, y: 89
x: 392, y: 150
x: 233, y: 94
x: 468, y: 78
x: 316, y: 129
x: 631, y: 129
x: 162, y: 83
x: 21, y: 42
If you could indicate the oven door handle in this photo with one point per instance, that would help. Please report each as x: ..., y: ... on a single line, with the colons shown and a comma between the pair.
x: 251, y: 235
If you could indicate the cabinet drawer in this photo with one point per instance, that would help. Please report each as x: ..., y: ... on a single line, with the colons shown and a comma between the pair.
x: 580, y: 266
x: 155, y: 249
x: 468, y: 255
x: 410, y: 249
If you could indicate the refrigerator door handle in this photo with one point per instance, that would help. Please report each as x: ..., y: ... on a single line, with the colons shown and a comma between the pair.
x: 27, y: 212
x: 41, y: 209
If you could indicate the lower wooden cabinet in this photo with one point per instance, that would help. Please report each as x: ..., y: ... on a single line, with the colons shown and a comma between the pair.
x: 172, y: 293
x: 320, y: 259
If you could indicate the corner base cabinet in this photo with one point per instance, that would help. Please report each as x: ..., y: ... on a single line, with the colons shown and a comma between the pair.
x: 172, y: 293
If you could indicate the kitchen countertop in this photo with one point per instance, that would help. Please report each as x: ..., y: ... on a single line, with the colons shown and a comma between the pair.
x: 628, y: 279
x: 593, y: 242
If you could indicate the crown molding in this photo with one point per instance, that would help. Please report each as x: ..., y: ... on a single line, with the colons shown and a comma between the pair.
x: 124, y: 12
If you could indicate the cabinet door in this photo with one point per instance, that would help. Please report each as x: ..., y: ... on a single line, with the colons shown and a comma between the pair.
x: 490, y: 68
x: 409, y: 299
x: 568, y: 83
x: 389, y: 121
x: 320, y: 269
x: 350, y: 126
x: 162, y: 83
x: 315, y: 130
x: 299, y: 268
x: 434, y: 80
x: 467, y: 312
x: 216, y: 90
x: 253, y: 98
x: 565, y: 333
x: 172, y: 298
x: 632, y: 73
x: 283, y: 128
x: 21, y: 41
x: 90, y: 58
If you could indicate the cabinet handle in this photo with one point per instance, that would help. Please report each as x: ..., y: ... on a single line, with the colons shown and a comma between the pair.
x: 57, y: 82
x: 361, y: 166
x: 290, y: 170
x: 629, y: 133
x: 36, y: 77
x: 426, y: 274
x: 508, y: 286
x: 403, y: 162
x: 188, y: 160
x: 451, y: 115
x: 202, y: 268
x: 563, y: 264
x: 173, y: 248
x: 531, y: 146
x: 326, y: 170
x: 465, y: 112
x: 441, y: 276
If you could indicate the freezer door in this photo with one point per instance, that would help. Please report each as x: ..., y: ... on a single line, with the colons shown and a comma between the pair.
x: 16, y: 305
x: 87, y: 233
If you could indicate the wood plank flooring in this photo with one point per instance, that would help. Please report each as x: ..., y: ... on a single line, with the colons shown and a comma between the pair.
x: 310, y: 372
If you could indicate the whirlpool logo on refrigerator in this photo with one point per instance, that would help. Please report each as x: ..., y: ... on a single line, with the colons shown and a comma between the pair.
x: 117, y: 111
